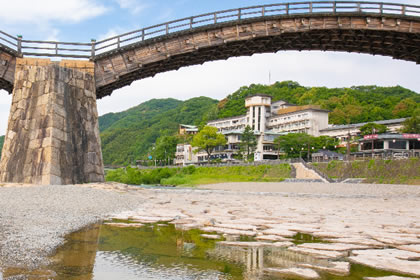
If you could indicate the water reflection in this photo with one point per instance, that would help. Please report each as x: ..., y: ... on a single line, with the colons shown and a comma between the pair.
x: 162, y: 252
x: 149, y: 252
x: 77, y: 257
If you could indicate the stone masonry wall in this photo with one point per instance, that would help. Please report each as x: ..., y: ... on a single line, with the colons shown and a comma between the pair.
x: 53, y: 132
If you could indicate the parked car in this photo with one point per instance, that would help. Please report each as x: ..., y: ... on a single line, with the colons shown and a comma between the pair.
x: 400, y: 155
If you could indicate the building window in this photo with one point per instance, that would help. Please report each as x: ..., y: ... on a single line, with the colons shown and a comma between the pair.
x: 414, y: 145
x: 378, y: 145
x: 398, y: 144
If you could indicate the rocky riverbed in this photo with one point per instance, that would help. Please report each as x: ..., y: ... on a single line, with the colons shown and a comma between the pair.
x: 375, y: 225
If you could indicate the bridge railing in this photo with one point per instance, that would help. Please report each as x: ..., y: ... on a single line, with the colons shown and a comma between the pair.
x: 8, y: 42
x: 109, y: 45
x: 330, y: 7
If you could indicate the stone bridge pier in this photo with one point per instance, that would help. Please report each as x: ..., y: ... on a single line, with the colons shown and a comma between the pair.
x: 53, y: 133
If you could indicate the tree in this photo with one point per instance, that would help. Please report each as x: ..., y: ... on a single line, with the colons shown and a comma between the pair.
x: 165, y: 148
x: 300, y: 144
x: 325, y: 142
x: 412, y: 125
x: 292, y: 144
x: 248, y: 142
x: 207, y: 139
x: 372, y: 128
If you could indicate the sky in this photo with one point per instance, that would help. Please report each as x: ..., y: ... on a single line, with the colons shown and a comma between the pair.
x: 83, y: 20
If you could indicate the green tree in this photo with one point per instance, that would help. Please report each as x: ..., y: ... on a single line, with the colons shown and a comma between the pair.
x: 207, y: 139
x: 412, y: 125
x: 405, y: 108
x: 165, y: 148
x: 293, y: 143
x: 372, y: 128
x: 248, y: 142
x: 325, y: 142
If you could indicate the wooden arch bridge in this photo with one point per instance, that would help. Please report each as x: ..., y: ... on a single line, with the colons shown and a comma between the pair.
x: 363, y: 27
x: 53, y: 135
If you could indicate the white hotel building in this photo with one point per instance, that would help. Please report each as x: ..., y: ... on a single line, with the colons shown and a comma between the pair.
x: 268, y: 120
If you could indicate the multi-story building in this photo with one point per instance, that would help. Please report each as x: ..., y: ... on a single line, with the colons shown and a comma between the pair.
x: 268, y: 120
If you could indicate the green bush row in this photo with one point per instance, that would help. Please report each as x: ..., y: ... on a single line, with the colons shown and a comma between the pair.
x: 192, y: 175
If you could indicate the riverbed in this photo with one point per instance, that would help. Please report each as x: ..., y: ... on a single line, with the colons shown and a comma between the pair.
x: 374, y: 225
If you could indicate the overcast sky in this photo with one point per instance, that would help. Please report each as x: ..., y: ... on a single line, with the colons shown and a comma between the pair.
x: 82, y: 20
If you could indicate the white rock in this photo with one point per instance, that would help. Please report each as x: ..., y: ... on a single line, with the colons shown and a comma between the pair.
x: 238, y: 226
x: 283, y: 244
x: 332, y: 246
x: 187, y: 226
x: 271, y: 238
x: 124, y: 225
x: 299, y: 272
x: 211, y: 236
x: 244, y: 244
x: 150, y: 219
x: 396, y: 239
x: 359, y: 241
x: 329, y: 234
x: 389, y: 259
x: 228, y: 231
x: 390, y: 278
x: 336, y: 268
x: 182, y: 221
x: 411, y: 248
x: 321, y: 254
x: 280, y: 232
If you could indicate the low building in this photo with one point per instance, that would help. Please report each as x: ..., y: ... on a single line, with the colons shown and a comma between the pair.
x: 326, y: 155
x: 185, y: 129
x: 388, y: 145
x: 342, y: 132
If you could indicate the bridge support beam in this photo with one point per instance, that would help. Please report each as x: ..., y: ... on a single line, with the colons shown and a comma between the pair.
x: 53, y: 132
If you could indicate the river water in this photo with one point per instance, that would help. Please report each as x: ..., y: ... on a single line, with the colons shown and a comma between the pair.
x: 105, y: 252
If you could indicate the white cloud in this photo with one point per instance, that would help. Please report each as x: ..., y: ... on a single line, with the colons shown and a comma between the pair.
x: 41, y: 11
x: 134, y: 6
x: 5, y: 102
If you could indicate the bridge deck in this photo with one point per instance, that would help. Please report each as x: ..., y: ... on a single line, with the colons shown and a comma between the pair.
x: 364, y: 27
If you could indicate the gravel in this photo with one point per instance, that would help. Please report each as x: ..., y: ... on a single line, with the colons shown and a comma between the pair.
x: 35, y: 220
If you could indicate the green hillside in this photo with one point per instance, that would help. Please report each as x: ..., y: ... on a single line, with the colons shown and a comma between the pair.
x: 1, y: 144
x: 347, y: 105
x: 128, y: 135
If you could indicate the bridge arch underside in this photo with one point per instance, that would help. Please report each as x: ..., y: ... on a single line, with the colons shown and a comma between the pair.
x: 397, y: 37
x: 7, y: 70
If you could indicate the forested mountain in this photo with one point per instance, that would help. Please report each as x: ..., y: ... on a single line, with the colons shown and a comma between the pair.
x: 128, y: 135
x: 347, y: 105
x: 1, y: 143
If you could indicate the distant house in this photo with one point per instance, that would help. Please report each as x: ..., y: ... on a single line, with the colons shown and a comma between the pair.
x: 185, y: 129
x: 326, y: 155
